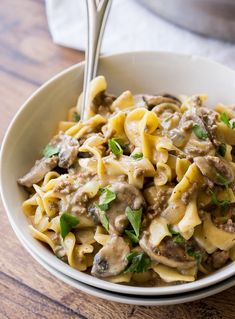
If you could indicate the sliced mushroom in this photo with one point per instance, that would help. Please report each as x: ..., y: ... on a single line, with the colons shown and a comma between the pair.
x: 167, y: 253
x: 67, y: 147
x: 219, y: 258
x: 153, y: 100
x: 216, y: 169
x: 102, y: 102
x: 164, y: 110
x: 185, y: 137
x: 126, y: 195
x: 111, y: 259
x: 38, y: 171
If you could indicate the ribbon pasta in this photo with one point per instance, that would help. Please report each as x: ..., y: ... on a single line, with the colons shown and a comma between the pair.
x: 140, y: 191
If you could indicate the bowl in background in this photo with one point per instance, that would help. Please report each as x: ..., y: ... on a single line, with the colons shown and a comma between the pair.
x: 213, y: 18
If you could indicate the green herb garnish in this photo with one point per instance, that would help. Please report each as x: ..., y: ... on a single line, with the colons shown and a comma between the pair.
x: 76, y: 117
x: 104, y: 220
x: 222, y: 180
x: 195, y: 254
x: 115, y: 146
x: 137, y: 156
x: 132, y: 236
x: 67, y: 222
x: 224, y: 118
x: 50, y: 150
x: 222, y: 149
x: 138, y: 262
x: 102, y: 207
x: 200, y: 132
x: 177, y: 237
x: 108, y: 197
x: 134, y: 217
x: 217, y: 202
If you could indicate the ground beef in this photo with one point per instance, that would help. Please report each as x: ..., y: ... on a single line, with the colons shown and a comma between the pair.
x: 215, y: 169
x: 172, y: 250
x: 196, y: 101
x: 229, y: 226
x: 209, y: 118
x: 64, y: 187
x: 219, y: 258
x: 159, y: 201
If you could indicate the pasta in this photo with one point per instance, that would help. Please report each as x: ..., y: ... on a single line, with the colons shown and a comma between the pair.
x: 141, y: 191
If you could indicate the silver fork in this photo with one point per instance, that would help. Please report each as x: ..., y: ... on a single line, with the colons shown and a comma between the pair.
x: 97, y: 14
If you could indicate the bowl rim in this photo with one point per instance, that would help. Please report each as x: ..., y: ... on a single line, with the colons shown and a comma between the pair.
x: 132, y: 299
x: 63, y: 267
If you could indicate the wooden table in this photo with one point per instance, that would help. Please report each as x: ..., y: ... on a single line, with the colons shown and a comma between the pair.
x: 27, y: 59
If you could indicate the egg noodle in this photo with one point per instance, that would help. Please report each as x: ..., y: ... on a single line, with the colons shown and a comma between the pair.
x: 141, y: 191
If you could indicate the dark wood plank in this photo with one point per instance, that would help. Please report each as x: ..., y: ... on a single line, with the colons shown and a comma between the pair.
x: 20, y: 301
x: 13, y: 92
x: 26, y: 46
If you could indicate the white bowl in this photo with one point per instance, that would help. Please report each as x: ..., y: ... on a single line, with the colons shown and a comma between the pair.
x: 36, y: 121
x: 133, y: 299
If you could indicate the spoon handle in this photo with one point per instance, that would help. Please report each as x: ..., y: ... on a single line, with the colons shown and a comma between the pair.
x: 97, y: 14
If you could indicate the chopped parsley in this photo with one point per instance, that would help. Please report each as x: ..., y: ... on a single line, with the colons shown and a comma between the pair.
x: 76, y: 117
x: 132, y: 236
x: 222, y: 180
x: 222, y: 149
x: 134, y: 217
x: 50, y: 150
x: 137, y: 156
x: 195, y: 254
x: 138, y: 262
x: 225, y: 119
x: 104, y: 220
x: 200, y: 132
x: 221, y: 203
x: 115, y: 146
x: 67, y: 222
x: 108, y: 197
x: 176, y: 237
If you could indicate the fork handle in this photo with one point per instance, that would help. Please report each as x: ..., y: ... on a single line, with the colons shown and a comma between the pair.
x: 97, y: 14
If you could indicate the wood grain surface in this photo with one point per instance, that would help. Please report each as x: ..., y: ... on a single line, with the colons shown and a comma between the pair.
x: 27, y: 59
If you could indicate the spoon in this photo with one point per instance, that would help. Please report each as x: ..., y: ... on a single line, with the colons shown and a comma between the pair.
x: 97, y: 14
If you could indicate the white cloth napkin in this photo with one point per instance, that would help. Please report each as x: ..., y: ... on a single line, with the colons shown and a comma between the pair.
x: 131, y: 27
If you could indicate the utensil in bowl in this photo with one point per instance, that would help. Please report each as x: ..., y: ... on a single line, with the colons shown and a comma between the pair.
x: 97, y: 15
